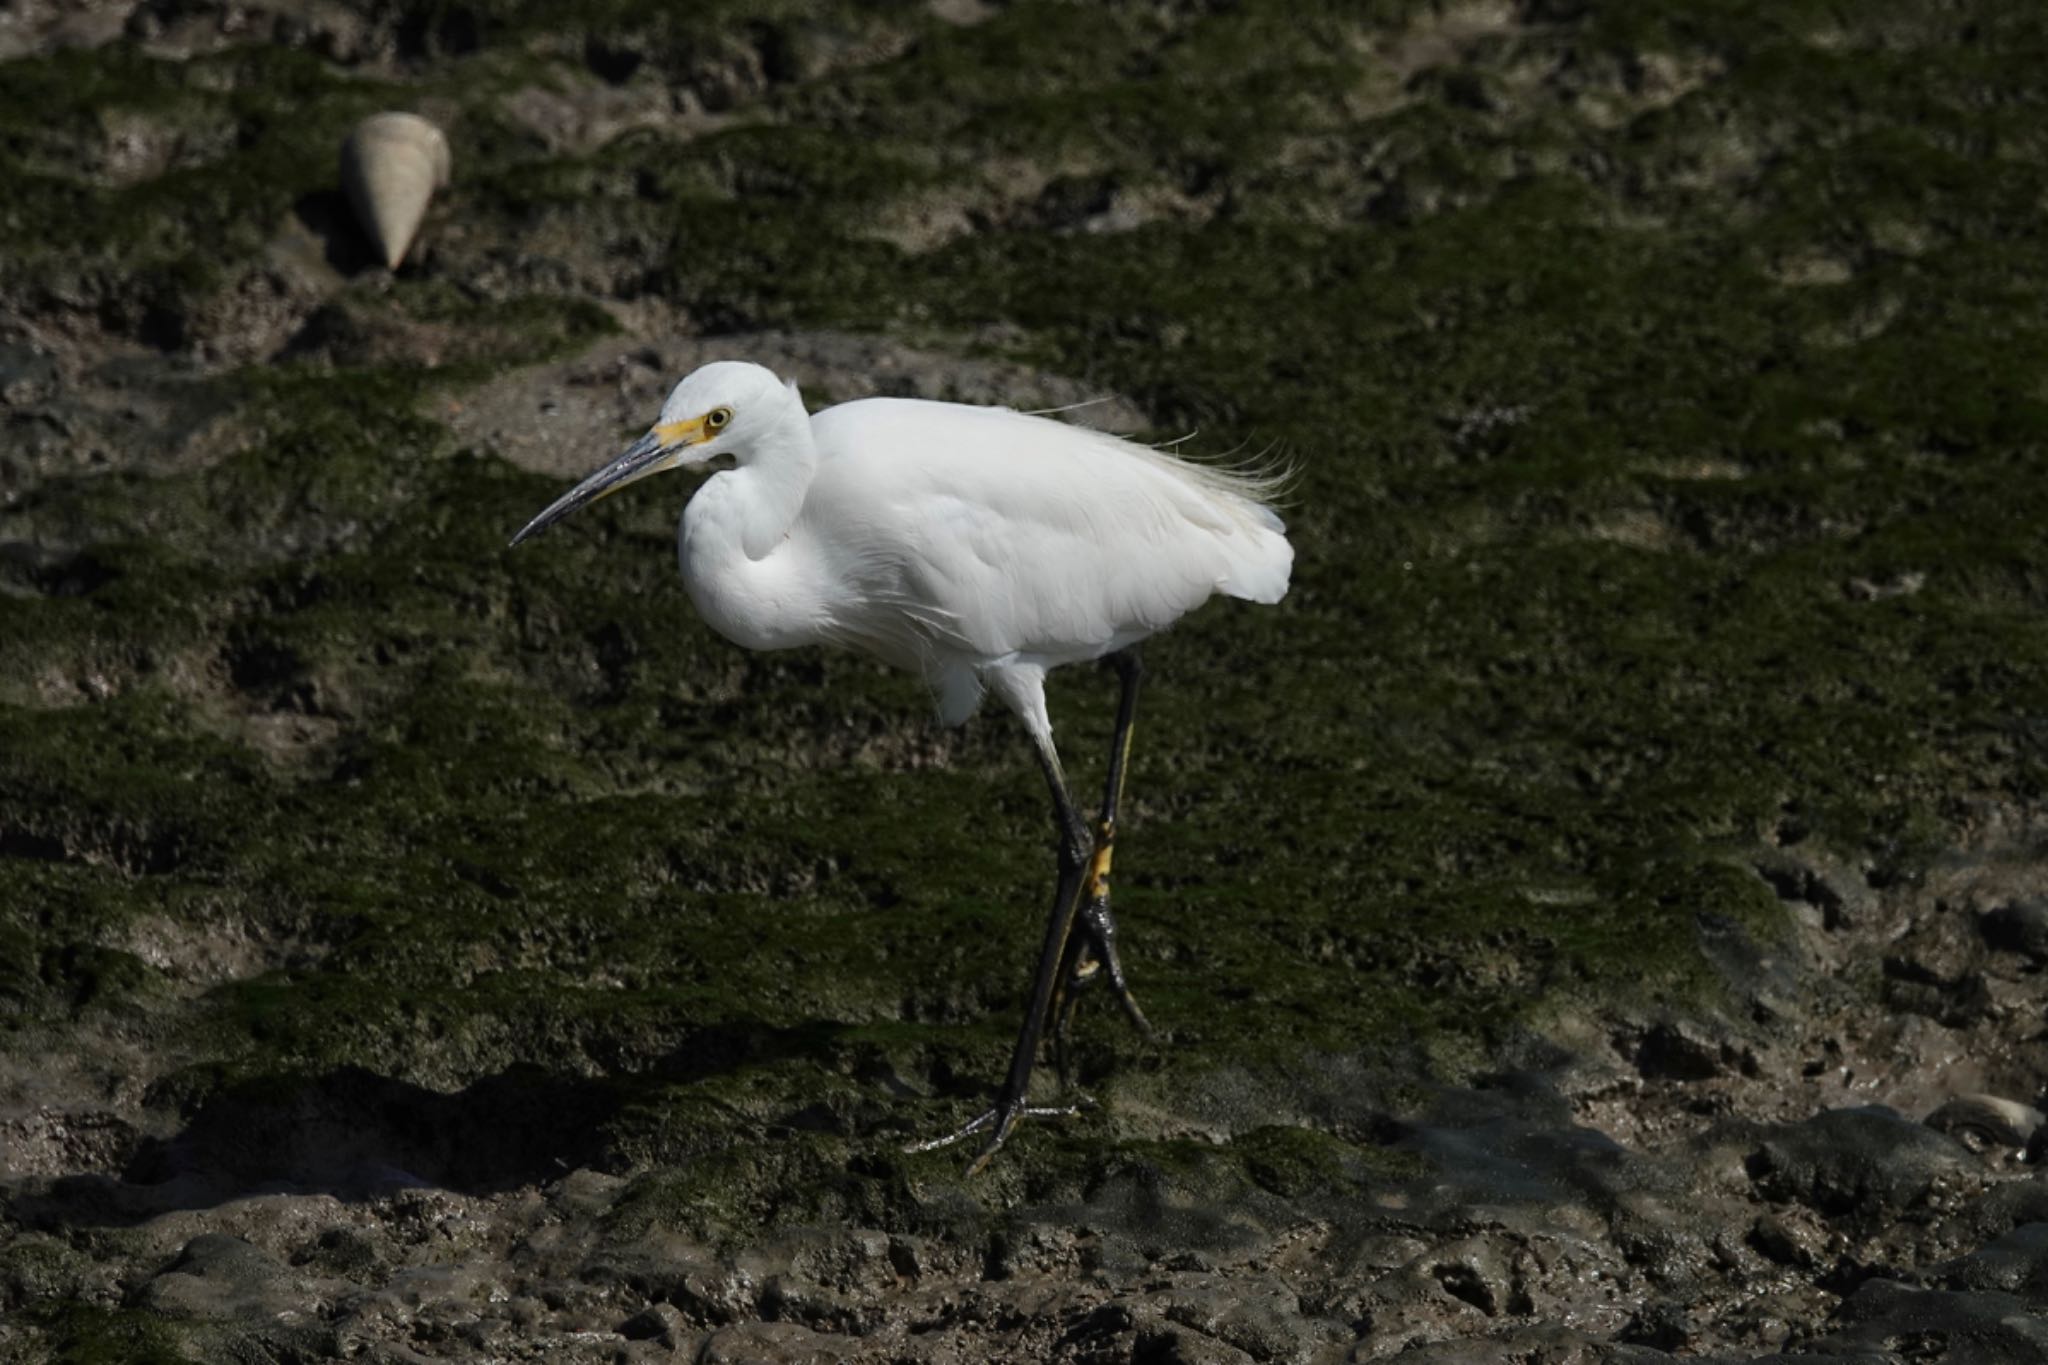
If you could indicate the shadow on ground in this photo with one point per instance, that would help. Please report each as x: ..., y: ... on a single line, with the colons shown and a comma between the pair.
x: 358, y: 1136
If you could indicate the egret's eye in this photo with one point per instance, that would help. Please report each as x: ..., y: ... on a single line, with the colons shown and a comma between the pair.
x: 717, y: 418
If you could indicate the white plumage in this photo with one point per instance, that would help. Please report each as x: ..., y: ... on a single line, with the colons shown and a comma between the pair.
x: 977, y: 546
x: 980, y: 547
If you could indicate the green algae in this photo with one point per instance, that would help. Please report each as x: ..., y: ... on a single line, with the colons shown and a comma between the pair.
x: 1665, y: 488
x: 82, y: 1334
x: 144, y: 254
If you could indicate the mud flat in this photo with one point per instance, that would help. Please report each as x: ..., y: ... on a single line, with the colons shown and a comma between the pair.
x: 1601, y: 916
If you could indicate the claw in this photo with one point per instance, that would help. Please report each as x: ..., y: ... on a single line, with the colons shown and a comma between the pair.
x: 1004, y: 1117
x: 1100, y: 930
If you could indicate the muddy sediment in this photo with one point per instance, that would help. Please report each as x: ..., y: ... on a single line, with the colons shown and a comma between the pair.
x: 1600, y: 916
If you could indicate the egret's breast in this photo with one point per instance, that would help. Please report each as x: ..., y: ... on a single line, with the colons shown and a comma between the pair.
x: 778, y: 601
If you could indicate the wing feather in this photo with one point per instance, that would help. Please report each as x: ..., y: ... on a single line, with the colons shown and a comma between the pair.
x: 995, y: 533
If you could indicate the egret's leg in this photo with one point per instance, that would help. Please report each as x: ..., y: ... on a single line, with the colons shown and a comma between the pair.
x: 1091, y: 952
x: 1052, y: 961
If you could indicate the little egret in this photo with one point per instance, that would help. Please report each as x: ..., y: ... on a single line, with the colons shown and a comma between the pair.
x: 979, y: 547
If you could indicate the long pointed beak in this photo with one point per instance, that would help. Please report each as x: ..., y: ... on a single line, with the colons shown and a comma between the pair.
x: 649, y: 455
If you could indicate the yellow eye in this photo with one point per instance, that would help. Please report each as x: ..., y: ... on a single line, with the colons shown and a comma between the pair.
x: 717, y: 418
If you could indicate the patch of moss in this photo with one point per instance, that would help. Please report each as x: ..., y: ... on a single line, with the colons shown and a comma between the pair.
x: 81, y: 1334
x: 144, y: 253
x: 1294, y: 1162
x: 731, y: 1194
x: 37, y: 1268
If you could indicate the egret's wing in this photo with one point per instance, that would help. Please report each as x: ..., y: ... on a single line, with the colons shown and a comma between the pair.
x: 1005, y: 533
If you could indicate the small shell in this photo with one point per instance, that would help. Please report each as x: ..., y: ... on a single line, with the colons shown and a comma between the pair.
x: 1981, y: 1121
x: 391, y: 165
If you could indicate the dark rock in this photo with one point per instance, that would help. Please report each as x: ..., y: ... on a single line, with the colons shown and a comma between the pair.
x: 1980, y: 1328
x: 1785, y: 1243
x: 775, y: 1343
x: 1678, y: 1052
x: 1660, y: 1323
x: 1462, y: 1281
x: 341, y: 1251
x: 28, y: 374
x: 1171, y: 1345
x: 1821, y: 890
x: 1858, y: 1164
x: 1258, y: 1315
x: 2020, y: 927
x: 1953, y: 1004
x: 658, y: 1323
x: 2016, y: 1263
x: 1550, y: 1344
x: 2006, y: 1206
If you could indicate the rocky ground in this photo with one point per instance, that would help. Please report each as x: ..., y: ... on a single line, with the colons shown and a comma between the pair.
x: 1600, y: 916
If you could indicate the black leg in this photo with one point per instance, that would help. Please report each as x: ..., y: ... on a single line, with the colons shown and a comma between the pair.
x: 1091, y: 953
x: 1052, y: 961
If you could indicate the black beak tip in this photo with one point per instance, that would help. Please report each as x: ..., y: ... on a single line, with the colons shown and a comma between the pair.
x: 529, y: 531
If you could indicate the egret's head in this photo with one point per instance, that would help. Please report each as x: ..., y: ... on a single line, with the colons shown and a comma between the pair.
x: 718, y: 409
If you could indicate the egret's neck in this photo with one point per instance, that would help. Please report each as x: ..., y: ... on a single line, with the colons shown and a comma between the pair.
x: 732, y: 529
x: 748, y: 510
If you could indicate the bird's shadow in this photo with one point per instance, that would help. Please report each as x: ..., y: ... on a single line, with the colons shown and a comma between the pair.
x: 358, y: 1136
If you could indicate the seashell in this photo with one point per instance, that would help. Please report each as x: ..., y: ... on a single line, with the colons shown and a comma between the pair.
x: 390, y: 166
x: 1982, y: 1121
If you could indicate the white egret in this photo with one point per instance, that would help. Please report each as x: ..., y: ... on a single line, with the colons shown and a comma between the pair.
x: 979, y: 547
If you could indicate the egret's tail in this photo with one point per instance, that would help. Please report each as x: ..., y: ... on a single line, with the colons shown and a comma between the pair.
x: 1261, y: 559
x: 1239, y: 508
x: 1260, y: 569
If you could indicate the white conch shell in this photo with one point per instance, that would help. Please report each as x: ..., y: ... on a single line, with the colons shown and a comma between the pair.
x: 391, y: 165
